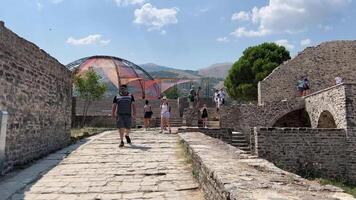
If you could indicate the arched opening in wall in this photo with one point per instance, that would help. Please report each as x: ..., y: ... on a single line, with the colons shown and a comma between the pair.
x: 297, y: 118
x: 326, y: 120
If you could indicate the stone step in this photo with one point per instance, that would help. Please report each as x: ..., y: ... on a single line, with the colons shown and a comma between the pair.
x: 239, y: 145
x: 238, y: 139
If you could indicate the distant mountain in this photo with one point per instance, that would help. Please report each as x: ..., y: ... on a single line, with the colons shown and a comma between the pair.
x: 159, y: 71
x: 219, y: 70
x: 152, y: 67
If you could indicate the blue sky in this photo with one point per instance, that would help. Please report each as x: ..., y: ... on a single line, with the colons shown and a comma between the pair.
x: 187, y: 34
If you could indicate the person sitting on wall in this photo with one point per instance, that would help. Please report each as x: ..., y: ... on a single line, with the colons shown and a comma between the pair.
x: 306, y: 86
x: 300, y: 86
x: 338, y: 80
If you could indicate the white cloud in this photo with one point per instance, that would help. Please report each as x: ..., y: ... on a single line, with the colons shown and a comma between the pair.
x: 154, y: 18
x: 240, y: 16
x: 305, y: 42
x: 129, y: 2
x: 91, y: 39
x: 285, y: 43
x: 223, y: 39
x: 292, y: 16
x: 243, y: 32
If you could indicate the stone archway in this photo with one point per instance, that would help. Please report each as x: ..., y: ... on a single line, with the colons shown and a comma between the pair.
x: 296, y: 118
x: 326, y: 120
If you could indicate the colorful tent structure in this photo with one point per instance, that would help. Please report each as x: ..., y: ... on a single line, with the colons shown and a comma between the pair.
x: 118, y: 72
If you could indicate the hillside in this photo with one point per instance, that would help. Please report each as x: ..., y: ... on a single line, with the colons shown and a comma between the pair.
x: 219, y: 70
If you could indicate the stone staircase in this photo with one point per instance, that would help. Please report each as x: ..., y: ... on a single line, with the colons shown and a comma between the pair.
x: 238, y: 140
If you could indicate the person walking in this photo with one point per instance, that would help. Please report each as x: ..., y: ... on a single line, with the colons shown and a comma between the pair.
x: 147, y: 114
x: 191, y: 97
x: 216, y: 99
x: 222, y: 96
x: 165, y: 115
x: 123, y: 111
x: 204, y: 116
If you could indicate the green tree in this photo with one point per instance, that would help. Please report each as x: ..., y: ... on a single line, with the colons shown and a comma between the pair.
x: 172, y: 93
x: 89, y: 89
x: 254, y: 65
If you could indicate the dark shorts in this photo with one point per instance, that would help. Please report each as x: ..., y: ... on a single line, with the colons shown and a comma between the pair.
x: 148, y: 115
x: 123, y: 121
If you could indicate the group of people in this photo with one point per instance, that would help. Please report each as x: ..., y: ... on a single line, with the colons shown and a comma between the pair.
x: 219, y: 98
x: 165, y: 110
x: 303, y: 86
x: 124, y: 111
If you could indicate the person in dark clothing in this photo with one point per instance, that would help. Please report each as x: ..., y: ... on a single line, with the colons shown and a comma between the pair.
x: 204, y: 116
x: 306, y: 86
x: 148, y: 114
x: 123, y: 111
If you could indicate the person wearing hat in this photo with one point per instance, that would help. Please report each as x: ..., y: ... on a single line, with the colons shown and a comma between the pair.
x: 165, y: 115
x: 123, y: 110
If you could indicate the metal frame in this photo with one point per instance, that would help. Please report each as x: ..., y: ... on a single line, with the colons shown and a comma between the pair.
x: 3, y: 127
x: 74, y: 65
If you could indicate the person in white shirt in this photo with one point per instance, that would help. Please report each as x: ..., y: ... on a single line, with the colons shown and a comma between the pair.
x: 338, y: 80
x: 165, y: 115
x: 222, y: 96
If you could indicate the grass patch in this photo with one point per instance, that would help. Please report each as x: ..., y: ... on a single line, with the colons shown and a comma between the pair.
x: 184, y: 152
x: 349, y: 188
x: 79, y: 133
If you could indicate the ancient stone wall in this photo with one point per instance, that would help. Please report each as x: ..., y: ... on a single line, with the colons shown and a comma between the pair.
x: 304, y: 150
x: 331, y: 100
x: 225, y: 172
x: 244, y: 117
x: 321, y: 63
x: 36, y: 90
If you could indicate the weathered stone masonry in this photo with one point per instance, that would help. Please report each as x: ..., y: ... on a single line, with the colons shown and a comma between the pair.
x: 35, y: 89
x: 321, y: 63
x: 323, y: 151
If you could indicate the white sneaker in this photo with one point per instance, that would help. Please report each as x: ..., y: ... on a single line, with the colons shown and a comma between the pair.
x: 205, y: 127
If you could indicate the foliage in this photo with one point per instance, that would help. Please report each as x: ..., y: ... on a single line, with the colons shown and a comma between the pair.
x: 349, y: 188
x: 254, y: 65
x: 172, y: 93
x: 89, y: 89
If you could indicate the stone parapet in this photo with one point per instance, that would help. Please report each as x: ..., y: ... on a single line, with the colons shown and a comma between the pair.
x: 225, y: 172
x: 315, y: 152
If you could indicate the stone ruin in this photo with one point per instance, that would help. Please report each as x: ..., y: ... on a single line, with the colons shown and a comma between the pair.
x: 35, y: 101
x: 314, y: 133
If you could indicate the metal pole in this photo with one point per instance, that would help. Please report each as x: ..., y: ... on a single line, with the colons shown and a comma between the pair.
x: 3, y: 126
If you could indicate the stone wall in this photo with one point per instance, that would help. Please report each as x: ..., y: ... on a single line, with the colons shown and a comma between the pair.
x: 332, y: 100
x: 325, y: 152
x: 225, y: 172
x: 321, y: 63
x: 36, y: 90
x: 246, y: 116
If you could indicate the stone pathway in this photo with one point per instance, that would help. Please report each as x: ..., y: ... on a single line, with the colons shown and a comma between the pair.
x: 153, y: 167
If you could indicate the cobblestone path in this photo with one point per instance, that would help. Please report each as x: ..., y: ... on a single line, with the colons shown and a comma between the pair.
x: 153, y: 167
